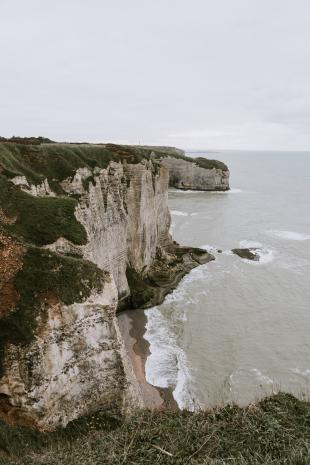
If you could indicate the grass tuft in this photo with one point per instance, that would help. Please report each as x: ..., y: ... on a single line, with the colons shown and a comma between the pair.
x: 273, y: 432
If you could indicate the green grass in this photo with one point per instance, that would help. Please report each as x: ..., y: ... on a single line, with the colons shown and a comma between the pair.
x: 57, y: 162
x: 40, y: 220
x: 68, y: 279
x: 210, y: 164
x: 177, y: 153
x: 275, y: 431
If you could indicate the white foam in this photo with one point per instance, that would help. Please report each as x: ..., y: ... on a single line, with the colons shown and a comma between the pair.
x: 305, y: 373
x: 209, y: 248
x: 181, y: 191
x: 180, y: 296
x: 265, y: 255
x: 197, y: 274
x: 167, y: 364
x: 183, y: 293
x: 212, y: 249
x: 178, y: 213
x: 289, y: 235
x: 227, y: 252
x: 182, y: 392
x: 231, y: 191
x: 250, y: 244
x: 261, y: 377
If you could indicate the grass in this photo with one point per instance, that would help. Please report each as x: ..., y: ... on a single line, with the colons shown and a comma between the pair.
x: 43, y: 274
x: 40, y: 220
x: 276, y: 431
x: 177, y: 153
x: 57, y: 162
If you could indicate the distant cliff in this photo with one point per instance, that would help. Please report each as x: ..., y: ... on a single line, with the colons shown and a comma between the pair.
x: 192, y: 173
x: 84, y: 231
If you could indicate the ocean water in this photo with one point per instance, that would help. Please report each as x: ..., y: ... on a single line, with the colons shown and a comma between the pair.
x: 235, y: 330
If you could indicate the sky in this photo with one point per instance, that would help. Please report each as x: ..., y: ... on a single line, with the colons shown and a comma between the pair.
x: 197, y: 74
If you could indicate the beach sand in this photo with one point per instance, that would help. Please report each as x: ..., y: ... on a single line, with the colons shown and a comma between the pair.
x: 132, y: 325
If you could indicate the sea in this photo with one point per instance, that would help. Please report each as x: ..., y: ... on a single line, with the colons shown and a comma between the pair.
x: 235, y: 330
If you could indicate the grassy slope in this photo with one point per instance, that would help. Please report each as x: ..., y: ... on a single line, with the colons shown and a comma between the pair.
x: 59, y: 161
x: 275, y: 431
x: 39, y: 220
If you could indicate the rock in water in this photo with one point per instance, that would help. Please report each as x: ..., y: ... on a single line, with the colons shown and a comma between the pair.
x: 248, y: 254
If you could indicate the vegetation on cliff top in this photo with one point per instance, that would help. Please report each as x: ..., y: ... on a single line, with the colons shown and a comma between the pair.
x: 177, y: 153
x: 27, y: 140
x: 276, y: 431
x: 57, y: 162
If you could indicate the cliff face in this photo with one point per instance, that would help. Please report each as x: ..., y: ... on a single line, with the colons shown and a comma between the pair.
x: 194, y: 176
x: 191, y: 173
x: 75, y: 363
x: 84, y: 230
x: 125, y: 214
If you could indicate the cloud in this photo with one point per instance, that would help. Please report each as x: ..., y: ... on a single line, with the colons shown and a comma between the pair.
x: 200, y: 73
x: 204, y: 134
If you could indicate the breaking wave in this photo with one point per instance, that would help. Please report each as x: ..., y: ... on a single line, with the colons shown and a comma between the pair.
x: 178, y: 213
x: 211, y: 249
x: 265, y: 255
x: 233, y: 190
x: 261, y: 377
x: 167, y: 364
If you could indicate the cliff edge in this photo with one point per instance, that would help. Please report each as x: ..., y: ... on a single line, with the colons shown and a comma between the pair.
x: 84, y: 233
x: 192, y: 173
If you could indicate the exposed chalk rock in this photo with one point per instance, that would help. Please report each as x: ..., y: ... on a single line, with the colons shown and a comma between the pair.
x: 189, y: 175
x: 75, y: 365
x: 61, y: 352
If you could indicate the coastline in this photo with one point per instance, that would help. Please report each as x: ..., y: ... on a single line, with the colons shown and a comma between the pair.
x: 132, y: 326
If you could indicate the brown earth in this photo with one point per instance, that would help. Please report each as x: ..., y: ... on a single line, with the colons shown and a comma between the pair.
x: 11, y: 253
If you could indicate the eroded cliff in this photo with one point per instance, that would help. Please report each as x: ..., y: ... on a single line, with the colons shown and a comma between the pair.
x: 84, y: 231
x: 192, y: 173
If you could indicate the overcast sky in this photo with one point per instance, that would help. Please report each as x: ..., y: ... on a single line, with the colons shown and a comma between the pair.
x: 191, y: 73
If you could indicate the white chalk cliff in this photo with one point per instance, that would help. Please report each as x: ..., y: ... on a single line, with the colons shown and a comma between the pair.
x: 76, y: 362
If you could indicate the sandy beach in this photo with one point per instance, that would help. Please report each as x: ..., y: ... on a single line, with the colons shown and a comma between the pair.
x: 132, y: 325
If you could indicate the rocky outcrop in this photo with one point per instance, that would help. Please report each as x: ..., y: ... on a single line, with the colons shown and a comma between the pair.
x: 247, y: 254
x: 168, y: 268
x: 193, y: 175
x: 189, y: 173
x: 88, y: 229
x: 75, y: 364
